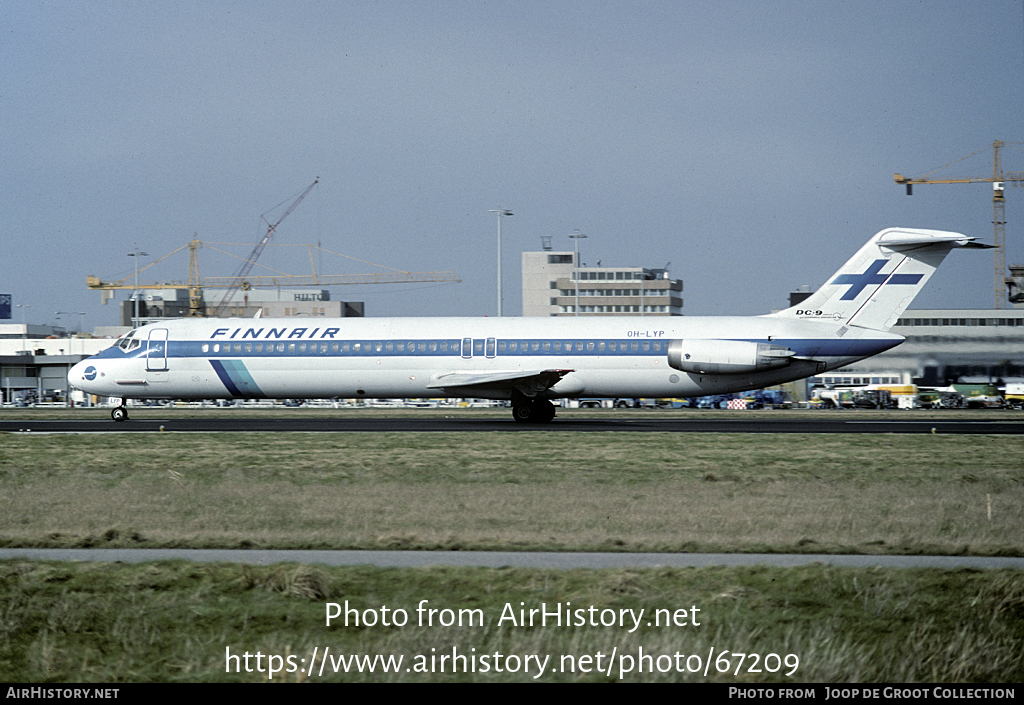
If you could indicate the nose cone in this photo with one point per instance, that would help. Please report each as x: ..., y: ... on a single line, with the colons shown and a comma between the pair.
x: 83, y: 375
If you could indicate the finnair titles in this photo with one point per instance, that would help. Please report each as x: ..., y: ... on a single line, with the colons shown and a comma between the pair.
x: 527, y: 361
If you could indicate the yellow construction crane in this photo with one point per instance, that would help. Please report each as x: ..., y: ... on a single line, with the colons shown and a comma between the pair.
x: 196, y: 284
x: 998, y: 179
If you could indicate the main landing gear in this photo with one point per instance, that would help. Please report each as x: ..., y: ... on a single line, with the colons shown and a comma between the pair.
x: 533, y: 410
x: 119, y: 413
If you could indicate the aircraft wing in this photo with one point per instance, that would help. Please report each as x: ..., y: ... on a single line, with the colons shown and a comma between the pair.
x: 528, y: 382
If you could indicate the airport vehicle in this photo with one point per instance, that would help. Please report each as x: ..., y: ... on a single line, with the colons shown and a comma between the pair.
x: 856, y: 398
x: 1015, y: 395
x: 527, y: 361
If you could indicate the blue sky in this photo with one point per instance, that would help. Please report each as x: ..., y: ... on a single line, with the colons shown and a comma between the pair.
x: 750, y: 144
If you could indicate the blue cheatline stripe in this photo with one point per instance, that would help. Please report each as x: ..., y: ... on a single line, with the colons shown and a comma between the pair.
x: 235, y: 372
x: 236, y: 378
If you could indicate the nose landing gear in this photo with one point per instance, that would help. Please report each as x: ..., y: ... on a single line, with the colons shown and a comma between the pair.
x: 119, y: 413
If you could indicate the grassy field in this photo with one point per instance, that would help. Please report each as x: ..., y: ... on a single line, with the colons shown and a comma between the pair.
x: 96, y: 622
x: 596, y: 491
x: 176, y: 621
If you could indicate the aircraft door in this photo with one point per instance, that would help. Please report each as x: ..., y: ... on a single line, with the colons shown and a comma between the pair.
x: 476, y: 347
x: 156, y: 360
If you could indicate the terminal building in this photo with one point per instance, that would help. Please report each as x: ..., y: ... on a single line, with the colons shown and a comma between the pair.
x: 555, y: 284
x: 944, y: 346
x: 35, y: 360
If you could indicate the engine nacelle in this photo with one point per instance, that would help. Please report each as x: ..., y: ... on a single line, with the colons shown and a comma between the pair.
x: 726, y: 357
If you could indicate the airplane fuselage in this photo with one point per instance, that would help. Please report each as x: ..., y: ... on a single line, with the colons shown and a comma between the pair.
x: 528, y: 360
x: 416, y: 357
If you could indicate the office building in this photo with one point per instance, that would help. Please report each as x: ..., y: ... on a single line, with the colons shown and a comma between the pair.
x: 554, y: 284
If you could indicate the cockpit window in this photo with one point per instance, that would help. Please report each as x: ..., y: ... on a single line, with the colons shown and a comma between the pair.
x: 126, y: 340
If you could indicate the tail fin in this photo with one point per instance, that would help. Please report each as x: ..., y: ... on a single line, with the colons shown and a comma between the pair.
x: 875, y: 287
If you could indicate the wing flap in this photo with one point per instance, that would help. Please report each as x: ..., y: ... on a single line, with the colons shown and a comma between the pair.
x: 530, y: 383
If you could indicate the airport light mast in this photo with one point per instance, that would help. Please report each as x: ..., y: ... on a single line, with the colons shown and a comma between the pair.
x: 576, y: 236
x: 501, y: 213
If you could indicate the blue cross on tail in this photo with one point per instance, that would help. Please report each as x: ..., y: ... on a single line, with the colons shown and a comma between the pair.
x: 871, y: 277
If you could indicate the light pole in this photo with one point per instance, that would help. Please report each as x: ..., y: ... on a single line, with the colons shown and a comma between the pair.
x: 24, y: 327
x: 501, y: 212
x: 136, y: 253
x: 58, y: 314
x: 72, y: 313
x: 576, y: 236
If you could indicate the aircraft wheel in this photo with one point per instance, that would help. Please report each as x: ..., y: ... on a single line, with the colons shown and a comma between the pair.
x: 545, y: 411
x: 523, y: 412
x: 119, y: 413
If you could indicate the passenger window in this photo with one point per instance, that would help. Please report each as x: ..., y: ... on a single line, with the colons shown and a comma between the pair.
x: 238, y: 347
x: 248, y: 347
x: 547, y: 346
x: 206, y: 347
x: 280, y: 347
x: 590, y: 347
x: 259, y: 347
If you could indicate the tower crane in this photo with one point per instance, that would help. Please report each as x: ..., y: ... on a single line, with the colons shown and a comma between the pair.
x: 196, y: 284
x: 243, y: 271
x: 998, y: 179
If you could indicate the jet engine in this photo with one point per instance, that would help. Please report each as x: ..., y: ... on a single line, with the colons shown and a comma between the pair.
x: 726, y: 357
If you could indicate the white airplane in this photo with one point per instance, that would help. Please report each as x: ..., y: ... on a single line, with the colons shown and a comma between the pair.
x: 528, y: 361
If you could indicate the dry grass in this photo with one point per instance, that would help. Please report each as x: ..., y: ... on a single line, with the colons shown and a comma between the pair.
x: 173, y: 621
x: 654, y: 492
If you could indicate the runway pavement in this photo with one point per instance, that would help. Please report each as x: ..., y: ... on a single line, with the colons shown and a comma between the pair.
x: 500, y: 559
x: 1010, y: 423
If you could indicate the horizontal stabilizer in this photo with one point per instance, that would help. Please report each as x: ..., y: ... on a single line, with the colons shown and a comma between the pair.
x: 904, y: 240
